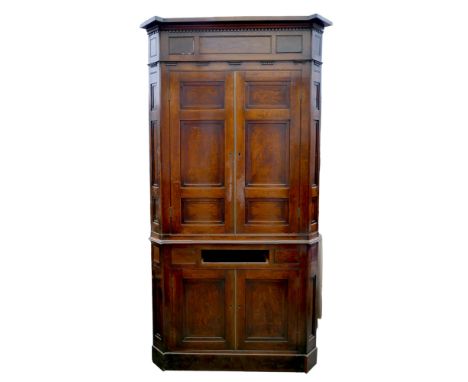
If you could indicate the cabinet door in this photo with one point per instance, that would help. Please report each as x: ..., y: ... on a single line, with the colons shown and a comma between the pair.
x: 267, y: 145
x: 201, y: 136
x: 202, y: 309
x: 267, y: 309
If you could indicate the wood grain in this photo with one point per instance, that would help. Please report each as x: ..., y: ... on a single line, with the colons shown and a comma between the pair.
x: 234, y: 130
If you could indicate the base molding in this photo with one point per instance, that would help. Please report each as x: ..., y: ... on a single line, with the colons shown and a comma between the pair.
x: 235, y: 361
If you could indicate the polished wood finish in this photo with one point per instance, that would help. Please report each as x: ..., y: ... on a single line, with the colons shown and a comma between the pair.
x: 234, y: 110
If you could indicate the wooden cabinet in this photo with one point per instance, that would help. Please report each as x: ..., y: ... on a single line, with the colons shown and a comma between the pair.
x: 234, y: 110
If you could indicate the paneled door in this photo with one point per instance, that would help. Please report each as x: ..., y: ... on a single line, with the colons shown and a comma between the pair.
x: 203, y: 309
x: 268, y: 305
x: 201, y: 136
x: 267, y: 151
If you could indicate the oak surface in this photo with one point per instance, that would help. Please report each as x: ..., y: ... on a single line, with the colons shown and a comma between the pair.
x: 234, y: 111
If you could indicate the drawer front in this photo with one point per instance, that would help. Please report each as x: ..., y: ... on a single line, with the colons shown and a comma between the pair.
x: 237, y: 257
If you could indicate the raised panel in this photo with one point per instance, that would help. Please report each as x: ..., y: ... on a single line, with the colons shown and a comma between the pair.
x: 202, y: 95
x: 267, y: 211
x: 266, y: 309
x: 267, y: 95
x: 203, y: 309
x: 202, y: 153
x: 181, y: 45
x: 156, y: 210
x: 235, y: 44
x: 155, y: 153
x: 313, y: 314
x: 289, y: 44
x: 316, y: 45
x: 313, y: 210
x: 267, y: 153
x: 317, y: 95
x: 153, y: 96
x: 157, y: 309
x: 202, y: 211
x: 156, y: 256
x: 268, y: 303
x: 153, y: 46
x: 314, y: 159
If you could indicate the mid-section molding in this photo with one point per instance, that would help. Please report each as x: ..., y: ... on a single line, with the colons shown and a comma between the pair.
x: 241, y: 241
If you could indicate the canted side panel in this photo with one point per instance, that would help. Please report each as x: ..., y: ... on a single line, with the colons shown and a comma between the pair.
x: 153, y: 47
x: 155, y: 209
x: 314, y: 160
x: 314, y: 152
x: 157, y: 294
x: 155, y: 153
x: 312, y: 295
x: 316, y: 100
x: 311, y: 312
x: 155, y: 142
x: 317, y: 44
x: 157, y: 308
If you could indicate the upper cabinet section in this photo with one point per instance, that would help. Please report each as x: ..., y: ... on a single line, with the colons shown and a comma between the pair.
x: 235, y: 39
x: 235, y: 127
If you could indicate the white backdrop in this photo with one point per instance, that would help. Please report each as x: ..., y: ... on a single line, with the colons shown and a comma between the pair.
x: 74, y: 205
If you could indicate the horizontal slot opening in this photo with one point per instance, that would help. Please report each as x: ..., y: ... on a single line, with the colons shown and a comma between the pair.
x: 234, y: 256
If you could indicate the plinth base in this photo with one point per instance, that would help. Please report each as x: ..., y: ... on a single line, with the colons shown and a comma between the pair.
x: 234, y: 361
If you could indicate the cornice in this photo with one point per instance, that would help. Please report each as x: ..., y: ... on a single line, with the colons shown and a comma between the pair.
x: 235, y: 24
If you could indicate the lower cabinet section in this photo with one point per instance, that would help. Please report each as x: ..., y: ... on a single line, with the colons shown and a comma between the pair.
x: 244, y: 306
